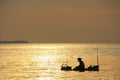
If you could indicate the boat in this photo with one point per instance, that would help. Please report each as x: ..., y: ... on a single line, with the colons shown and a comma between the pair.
x: 65, y: 66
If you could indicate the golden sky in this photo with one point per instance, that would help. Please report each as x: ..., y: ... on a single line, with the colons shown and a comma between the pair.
x: 60, y: 20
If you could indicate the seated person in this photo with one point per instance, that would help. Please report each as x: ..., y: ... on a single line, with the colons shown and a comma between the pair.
x: 81, y: 66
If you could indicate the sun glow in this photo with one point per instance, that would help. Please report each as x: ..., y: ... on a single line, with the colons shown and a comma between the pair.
x: 44, y: 46
x: 45, y: 58
x: 48, y: 58
x: 46, y: 78
x: 47, y: 46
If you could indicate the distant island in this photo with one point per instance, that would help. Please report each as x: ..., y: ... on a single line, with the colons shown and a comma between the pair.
x: 17, y: 41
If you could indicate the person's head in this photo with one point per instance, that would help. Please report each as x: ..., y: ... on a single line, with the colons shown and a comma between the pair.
x: 79, y: 59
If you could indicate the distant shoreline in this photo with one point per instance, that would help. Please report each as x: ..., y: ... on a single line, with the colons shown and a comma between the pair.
x: 17, y: 41
x: 22, y: 41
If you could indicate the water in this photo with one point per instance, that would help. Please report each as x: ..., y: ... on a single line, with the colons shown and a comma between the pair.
x: 43, y: 61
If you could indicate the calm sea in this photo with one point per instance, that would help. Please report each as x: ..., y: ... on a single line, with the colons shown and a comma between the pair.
x: 43, y: 61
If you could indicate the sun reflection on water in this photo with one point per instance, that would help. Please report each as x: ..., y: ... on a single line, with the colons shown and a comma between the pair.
x: 44, y: 58
x: 43, y: 62
x: 48, y: 78
x: 48, y: 46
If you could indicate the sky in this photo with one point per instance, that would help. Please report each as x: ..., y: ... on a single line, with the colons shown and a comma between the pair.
x: 63, y: 21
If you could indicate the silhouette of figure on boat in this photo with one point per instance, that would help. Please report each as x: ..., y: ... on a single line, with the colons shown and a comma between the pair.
x: 81, y: 66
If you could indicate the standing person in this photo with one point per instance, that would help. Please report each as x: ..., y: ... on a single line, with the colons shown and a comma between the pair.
x: 81, y: 66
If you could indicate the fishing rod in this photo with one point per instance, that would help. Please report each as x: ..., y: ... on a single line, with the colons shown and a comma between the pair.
x: 97, y: 56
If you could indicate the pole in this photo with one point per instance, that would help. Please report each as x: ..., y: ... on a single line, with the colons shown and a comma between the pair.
x: 97, y: 56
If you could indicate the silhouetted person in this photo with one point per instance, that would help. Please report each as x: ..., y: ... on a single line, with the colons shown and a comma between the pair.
x: 81, y: 66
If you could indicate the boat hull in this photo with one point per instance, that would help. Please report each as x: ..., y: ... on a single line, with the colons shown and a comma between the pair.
x: 90, y: 68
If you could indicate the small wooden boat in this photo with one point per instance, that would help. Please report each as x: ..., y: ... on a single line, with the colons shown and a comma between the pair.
x: 65, y: 67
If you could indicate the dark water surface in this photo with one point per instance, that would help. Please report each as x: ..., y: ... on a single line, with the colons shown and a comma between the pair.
x: 43, y: 61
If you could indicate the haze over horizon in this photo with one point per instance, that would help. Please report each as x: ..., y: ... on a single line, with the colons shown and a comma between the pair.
x: 61, y: 21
